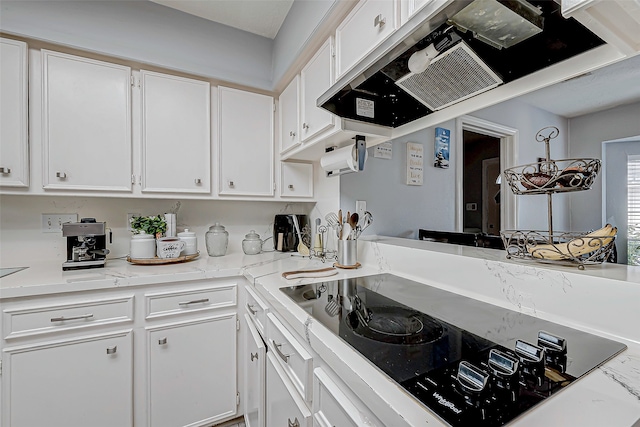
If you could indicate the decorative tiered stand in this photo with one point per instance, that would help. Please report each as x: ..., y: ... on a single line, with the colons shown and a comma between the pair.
x: 548, y: 177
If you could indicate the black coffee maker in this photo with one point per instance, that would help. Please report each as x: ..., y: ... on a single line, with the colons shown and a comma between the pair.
x: 285, y: 238
x: 86, y: 244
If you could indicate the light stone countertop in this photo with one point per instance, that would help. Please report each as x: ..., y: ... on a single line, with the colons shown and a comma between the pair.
x: 609, y: 396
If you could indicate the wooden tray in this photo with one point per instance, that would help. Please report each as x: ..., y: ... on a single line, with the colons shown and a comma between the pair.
x: 158, y: 261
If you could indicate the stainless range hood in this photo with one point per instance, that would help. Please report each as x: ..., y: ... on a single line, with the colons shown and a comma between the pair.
x: 478, y: 46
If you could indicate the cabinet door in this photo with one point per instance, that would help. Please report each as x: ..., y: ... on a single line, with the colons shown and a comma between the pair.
x: 285, y: 407
x: 176, y: 134
x: 192, y: 372
x: 255, y: 354
x: 14, y: 142
x: 368, y: 25
x: 79, y: 382
x: 246, y: 143
x: 297, y: 179
x: 317, y: 77
x: 289, y: 103
x: 87, y: 124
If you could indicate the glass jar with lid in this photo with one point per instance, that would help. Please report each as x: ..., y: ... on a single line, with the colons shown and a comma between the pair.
x: 217, y: 239
x: 252, y: 244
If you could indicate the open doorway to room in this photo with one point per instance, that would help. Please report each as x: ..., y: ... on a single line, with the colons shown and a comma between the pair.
x: 481, y: 191
x: 484, y: 203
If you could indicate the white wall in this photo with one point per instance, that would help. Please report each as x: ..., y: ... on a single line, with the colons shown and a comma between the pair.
x: 22, y: 240
x: 586, y: 136
x: 400, y: 210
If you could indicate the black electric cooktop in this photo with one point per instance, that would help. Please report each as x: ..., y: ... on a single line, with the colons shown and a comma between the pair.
x: 469, y: 362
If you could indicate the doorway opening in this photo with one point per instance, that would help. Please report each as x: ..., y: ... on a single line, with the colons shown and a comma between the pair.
x: 484, y: 203
x: 481, y: 191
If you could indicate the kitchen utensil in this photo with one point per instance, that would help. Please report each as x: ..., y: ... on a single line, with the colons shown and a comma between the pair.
x: 340, y: 224
x: 302, y: 248
x: 217, y: 239
x: 365, y: 221
x: 317, y: 244
x: 353, y: 220
x: 332, y: 308
x: 346, y: 231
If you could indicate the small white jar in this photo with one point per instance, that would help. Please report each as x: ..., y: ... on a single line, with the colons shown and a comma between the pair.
x: 142, y: 246
x: 191, y: 242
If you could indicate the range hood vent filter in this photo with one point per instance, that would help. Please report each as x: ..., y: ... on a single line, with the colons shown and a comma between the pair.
x: 453, y: 76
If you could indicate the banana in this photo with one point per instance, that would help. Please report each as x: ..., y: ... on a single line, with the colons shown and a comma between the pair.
x: 576, y: 247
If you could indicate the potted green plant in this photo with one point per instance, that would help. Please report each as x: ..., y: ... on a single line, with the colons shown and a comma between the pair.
x: 153, y: 225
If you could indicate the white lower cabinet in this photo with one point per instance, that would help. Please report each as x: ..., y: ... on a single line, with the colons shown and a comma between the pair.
x: 285, y: 407
x: 192, y: 372
x: 84, y: 381
x: 254, y: 364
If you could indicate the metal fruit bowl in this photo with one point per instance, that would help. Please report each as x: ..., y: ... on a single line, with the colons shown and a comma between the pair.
x: 568, y: 248
x: 553, y: 176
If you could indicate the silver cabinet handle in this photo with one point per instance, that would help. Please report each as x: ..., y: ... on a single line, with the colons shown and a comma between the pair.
x: 379, y: 21
x: 276, y: 347
x: 254, y: 356
x: 231, y: 184
x: 61, y: 175
x: 305, y: 126
x: 251, y: 310
x: 290, y: 186
x: 5, y: 171
x: 112, y: 350
x: 292, y: 134
x: 295, y: 422
x: 195, y: 301
x: 62, y: 318
x: 198, y: 181
x: 162, y: 341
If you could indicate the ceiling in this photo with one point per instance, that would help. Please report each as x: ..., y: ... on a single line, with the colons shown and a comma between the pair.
x: 261, y: 17
x: 591, y: 92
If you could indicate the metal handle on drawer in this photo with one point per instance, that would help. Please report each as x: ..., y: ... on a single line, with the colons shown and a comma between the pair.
x: 198, y: 181
x: 62, y: 318
x: 379, y: 21
x: 112, y: 350
x: 276, y: 347
x: 5, y: 171
x: 162, y: 341
x: 61, y: 175
x: 292, y: 134
x: 305, y: 126
x: 295, y: 422
x: 251, y: 310
x: 254, y: 356
x: 195, y: 301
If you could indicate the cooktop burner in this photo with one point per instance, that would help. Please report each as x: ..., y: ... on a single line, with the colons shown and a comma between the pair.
x: 469, y: 362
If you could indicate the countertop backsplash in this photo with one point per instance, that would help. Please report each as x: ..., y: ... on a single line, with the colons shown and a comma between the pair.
x: 22, y: 238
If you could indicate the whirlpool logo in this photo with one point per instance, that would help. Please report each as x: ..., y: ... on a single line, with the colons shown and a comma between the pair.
x: 444, y: 402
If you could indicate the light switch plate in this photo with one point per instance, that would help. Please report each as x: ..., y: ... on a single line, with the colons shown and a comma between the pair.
x: 52, y: 223
x: 361, y: 207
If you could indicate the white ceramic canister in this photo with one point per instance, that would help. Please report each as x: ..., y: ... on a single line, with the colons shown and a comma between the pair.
x: 190, y: 240
x: 142, y: 246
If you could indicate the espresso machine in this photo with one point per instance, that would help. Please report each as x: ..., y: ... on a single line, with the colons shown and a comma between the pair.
x: 86, y: 244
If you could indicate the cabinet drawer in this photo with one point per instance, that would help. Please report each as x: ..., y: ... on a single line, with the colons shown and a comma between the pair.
x: 43, y: 319
x: 257, y: 310
x: 190, y: 300
x: 284, y: 405
x: 332, y: 407
x: 294, y: 359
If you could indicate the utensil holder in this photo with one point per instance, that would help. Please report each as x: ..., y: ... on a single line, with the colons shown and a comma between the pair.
x: 347, y: 252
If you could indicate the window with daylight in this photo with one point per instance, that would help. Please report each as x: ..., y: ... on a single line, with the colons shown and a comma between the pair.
x: 633, y: 209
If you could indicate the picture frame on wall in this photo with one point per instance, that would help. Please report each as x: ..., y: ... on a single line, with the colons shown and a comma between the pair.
x: 415, y: 163
x: 441, y: 148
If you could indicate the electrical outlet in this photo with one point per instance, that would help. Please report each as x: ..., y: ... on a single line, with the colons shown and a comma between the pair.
x: 361, y: 207
x: 129, y: 216
x: 52, y: 223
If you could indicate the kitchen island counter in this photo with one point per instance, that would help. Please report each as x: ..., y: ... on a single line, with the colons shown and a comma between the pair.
x: 602, y: 300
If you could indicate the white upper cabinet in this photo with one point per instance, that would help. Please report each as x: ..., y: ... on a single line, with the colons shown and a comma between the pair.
x: 86, y: 124
x: 176, y: 134
x: 245, y: 143
x: 289, y: 105
x: 368, y: 25
x: 14, y: 136
x: 409, y: 7
x: 615, y: 21
x: 297, y: 179
x: 316, y: 77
